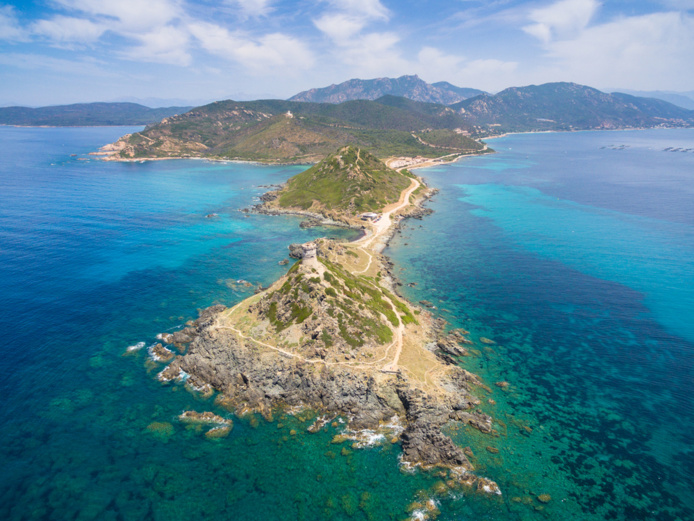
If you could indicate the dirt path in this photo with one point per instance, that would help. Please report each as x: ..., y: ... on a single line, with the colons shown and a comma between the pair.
x: 288, y: 354
x: 381, y: 226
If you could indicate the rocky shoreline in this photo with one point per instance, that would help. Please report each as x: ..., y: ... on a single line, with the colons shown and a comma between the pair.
x: 251, y: 378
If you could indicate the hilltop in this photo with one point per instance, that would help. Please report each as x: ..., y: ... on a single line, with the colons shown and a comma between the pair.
x: 350, y: 181
x: 411, y: 87
x: 86, y: 115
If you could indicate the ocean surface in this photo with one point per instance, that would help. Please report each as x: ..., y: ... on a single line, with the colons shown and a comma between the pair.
x: 573, y: 252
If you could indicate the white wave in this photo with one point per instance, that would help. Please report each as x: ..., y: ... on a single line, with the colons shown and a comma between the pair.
x: 136, y: 347
x: 154, y: 356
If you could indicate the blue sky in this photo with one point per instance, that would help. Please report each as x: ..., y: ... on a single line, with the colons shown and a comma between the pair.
x: 64, y: 51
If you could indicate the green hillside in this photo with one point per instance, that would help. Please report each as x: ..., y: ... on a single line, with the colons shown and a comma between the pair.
x: 305, y: 132
x: 567, y: 106
x: 285, y: 131
x: 351, y: 180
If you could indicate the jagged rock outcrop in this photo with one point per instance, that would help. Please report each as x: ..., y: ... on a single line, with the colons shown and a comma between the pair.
x: 257, y: 379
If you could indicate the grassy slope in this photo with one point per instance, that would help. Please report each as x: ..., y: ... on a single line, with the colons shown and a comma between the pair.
x: 351, y: 180
x: 261, y: 130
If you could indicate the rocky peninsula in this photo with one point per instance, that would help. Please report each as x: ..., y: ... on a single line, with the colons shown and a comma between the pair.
x: 332, y: 334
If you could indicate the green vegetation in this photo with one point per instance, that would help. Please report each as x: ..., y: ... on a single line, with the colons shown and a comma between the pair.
x: 350, y: 180
x: 362, y: 310
x: 364, y: 292
x: 449, y: 140
x: 405, y: 315
x: 276, y: 130
x: 292, y: 131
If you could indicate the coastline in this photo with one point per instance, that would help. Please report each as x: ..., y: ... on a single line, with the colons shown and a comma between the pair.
x: 224, y: 343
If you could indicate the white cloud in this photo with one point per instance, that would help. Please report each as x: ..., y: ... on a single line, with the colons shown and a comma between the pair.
x: 346, y: 20
x: 166, y: 44
x: 479, y: 72
x: 64, y: 29
x: 371, y: 53
x: 375, y: 54
x: 485, y: 74
x: 648, y: 52
x: 340, y: 27
x: 254, y: 7
x: 129, y: 15
x: 10, y: 28
x: 433, y: 63
x: 264, y: 54
x: 563, y: 19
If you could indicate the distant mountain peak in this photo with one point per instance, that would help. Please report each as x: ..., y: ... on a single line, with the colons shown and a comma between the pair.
x: 408, y: 86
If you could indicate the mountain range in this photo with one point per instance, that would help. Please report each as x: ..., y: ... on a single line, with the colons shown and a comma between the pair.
x: 411, y: 87
x: 294, y: 131
x: 568, y: 106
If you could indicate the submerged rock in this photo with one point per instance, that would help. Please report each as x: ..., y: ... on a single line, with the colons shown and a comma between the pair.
x: 160, y: 430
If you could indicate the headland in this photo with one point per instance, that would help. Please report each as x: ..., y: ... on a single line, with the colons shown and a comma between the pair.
x: 332, y: 334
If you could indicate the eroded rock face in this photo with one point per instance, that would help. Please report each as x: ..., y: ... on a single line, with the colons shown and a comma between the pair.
x: 261, y: 380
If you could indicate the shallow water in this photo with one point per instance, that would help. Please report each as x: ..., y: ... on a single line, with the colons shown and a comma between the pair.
x: 574, y: 253
x: 96, y: 257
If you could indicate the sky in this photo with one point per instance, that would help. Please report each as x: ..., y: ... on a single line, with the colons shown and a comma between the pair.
x: 69, y: 51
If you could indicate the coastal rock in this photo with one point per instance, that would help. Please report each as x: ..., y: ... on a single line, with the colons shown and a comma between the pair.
x: 417, y: 212
x: 488, y: 486
x: 160, y: 354
x: 310, y: 223
x: 296, y: 251
x: 269, y: 196
x: 425, y: 444
x: 450, y: 346
x: 252, y: 379
x: 206, y: 418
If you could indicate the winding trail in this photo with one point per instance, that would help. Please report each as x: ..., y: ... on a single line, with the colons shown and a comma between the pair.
x: 380, y: 228
x: 364, y: 244
x: 289, y: 354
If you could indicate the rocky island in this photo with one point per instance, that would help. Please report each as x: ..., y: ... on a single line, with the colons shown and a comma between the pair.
x: 332, y: 335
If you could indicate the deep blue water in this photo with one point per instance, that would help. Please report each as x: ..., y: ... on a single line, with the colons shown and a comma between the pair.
x: 575, y: 252
x: 572, y: 251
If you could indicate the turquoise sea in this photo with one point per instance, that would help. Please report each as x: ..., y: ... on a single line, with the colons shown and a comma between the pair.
x: 573, y: 252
